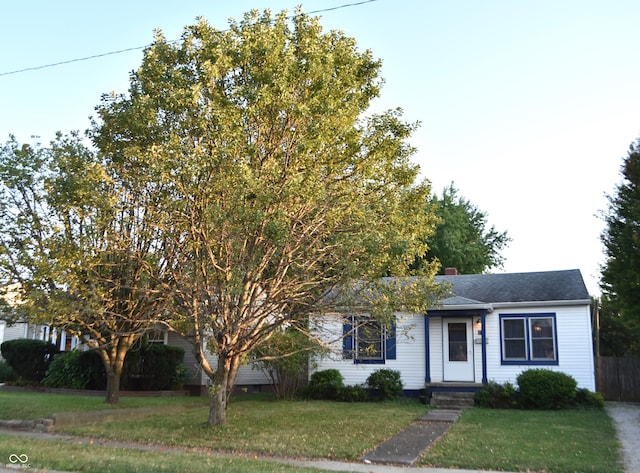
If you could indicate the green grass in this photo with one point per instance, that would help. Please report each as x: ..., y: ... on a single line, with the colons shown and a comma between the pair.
x: 310, y: 429
x: 34, y: 405
x: 99, y: 459
x: 563, y: 441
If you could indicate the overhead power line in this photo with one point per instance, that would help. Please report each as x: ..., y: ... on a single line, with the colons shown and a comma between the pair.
x: 137, y: 48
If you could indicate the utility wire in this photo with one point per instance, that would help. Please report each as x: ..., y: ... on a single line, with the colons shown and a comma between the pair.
x: 137, y: 48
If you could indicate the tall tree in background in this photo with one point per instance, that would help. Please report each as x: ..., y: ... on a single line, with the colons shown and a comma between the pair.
x: 620, y: 280
x: 462, y: 238
x: 281, y: 190
x: 80, y: 242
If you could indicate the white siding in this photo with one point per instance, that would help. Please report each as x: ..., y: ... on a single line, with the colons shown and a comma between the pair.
x: 435, y: 349
x: 189, y: 358
x: 410, y: 352
x: 12, y: 332
x: 575, y: 346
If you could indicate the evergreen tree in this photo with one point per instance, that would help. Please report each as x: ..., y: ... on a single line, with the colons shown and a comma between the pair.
x: 620, y: 280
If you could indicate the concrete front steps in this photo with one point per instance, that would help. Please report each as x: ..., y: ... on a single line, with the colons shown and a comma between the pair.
x: 452, y: 400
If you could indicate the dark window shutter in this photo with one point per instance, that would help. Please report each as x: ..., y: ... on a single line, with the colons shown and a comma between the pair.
x: 390, y: 342
x: 347, y: 338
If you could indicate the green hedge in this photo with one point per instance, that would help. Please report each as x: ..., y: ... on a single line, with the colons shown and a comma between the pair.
x: 149, y: 367
x: 29, y: 359
x: 546, y: 389
x: 387, y: 383
x: 65, y: 371
x: 538, y: 389
x: 6, y: 373
x: 152, y: 367
x: 325, y: 384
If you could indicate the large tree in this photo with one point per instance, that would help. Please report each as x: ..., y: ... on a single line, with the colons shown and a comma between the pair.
x: 620, y: 280
x: 282, y: 187
x: 462, y: 238
x: 80, y: 244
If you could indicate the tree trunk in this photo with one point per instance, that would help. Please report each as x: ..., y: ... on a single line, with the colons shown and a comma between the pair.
x: 113, y: 386
x: 220, y: 391
x: 113, y: 359
x: 218, y: 398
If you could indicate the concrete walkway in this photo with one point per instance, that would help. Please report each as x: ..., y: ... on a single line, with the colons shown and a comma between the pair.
x: 406, y: 447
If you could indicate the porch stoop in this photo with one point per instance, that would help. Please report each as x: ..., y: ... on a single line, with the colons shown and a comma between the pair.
x: 452, y: 400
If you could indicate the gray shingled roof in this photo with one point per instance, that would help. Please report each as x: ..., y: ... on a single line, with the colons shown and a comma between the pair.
x: 565, y: 285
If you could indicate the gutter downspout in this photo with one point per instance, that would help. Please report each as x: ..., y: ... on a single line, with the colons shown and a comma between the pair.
x: 483, y: 324
x: 427, y: 350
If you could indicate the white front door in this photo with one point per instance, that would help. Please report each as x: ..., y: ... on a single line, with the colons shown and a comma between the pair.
x: 457, y: 339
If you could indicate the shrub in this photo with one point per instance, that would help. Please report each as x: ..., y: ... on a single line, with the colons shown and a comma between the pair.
x: 29, y: 358
x: 355, y: 393
x: 325, y: 384
x: 91, y: 363
x: 65, y: 371
x: 497, y: 396
x: 586, y: 398
x: 151, y: 367
x: 180, y: 376
x: 546, y: 389
x: 285, y: 359
x: 7, y: 374
x: 160, y: 364
x: 386, y: 382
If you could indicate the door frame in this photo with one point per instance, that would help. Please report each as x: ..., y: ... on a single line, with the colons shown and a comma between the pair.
x: 458, y: 371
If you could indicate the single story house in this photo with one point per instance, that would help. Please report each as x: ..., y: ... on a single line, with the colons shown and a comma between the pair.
x: 491, y: 328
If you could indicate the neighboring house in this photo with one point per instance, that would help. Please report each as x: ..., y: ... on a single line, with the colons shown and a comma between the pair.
x: 491, y: 328
x: 250, y: 378
x: 59, y: 338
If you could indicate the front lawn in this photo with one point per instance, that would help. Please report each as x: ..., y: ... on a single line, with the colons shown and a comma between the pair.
x: 562, y: 441
x: 28, y: 405
x: 99, y: 459
x: 319, y: 429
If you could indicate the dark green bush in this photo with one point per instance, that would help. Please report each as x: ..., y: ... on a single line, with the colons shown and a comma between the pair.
x: 586, y: 398
x: 496, y: 396
x: 325, y: 384
x: 151, y: 367
x: 355, y: 393
x: 7, y: 374
x: 160, y: 364
x: 92, y: 365
x: 65, y: 371
x: 148, y: 368
x: 29, y: 359
x: 386, y: 383
x: 546, y: 389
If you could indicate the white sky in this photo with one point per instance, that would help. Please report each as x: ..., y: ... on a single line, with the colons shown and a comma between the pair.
x: 527, y: 106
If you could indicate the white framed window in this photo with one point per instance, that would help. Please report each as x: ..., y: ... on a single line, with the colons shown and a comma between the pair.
x: 158, y: 336
x: 366, y: 340
x: 529, y: 339
x: 369, y: 341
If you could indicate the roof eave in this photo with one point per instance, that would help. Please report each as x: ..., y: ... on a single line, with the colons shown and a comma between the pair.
x: 447, y: 307
x: 562, y: 303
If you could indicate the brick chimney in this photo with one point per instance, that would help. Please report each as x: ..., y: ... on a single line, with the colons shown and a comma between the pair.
x: 450, y: 272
